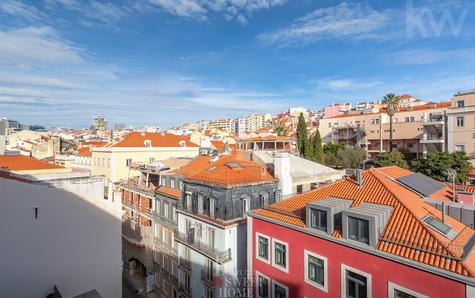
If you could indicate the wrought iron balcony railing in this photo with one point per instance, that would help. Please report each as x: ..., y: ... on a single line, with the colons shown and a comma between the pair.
x: 216, y: 255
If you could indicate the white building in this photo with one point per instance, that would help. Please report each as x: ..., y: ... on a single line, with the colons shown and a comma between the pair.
x: 57, y: 230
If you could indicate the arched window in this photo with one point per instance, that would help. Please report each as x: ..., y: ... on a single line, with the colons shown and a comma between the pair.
x: 206, y: 206
x: 264, y: 199
x: 245, y: 201
x: 194, y: 204
x: 147, y: 143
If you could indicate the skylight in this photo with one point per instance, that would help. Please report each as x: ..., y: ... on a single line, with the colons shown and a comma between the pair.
x: 212, y: 169
x: 437, y: 225
x: 234, y: 165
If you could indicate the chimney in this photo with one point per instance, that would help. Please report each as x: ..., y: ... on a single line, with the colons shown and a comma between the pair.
x: 282, y: 172
x: 443, y: 211
x: 359, y: 177
x: 3, y: 136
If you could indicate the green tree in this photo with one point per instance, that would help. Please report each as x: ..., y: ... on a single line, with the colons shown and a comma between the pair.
x: 437, y: 165
x: 350, y: 157
x: 332, y: 149
x: 280, y: 131
x: 318, y: 148
x: 302, y: 137
x: 391, y: 159
x: 391, y: 101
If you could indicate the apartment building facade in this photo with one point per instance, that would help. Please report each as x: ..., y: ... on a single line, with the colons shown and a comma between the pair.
x: 417, y: 129
x: 114, y: 160
x: 372, y: 236
x: 461, y: 124
x: 217, y: 193
x: 149, y: 251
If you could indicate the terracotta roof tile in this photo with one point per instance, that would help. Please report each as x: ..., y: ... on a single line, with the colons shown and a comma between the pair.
x: 24, y: 163
x: 405, y: 234
x: 137, y: 139
x: 170, y: 192
x: 226, y: 169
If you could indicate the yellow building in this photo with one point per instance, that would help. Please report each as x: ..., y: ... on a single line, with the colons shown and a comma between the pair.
x: 114, y: 160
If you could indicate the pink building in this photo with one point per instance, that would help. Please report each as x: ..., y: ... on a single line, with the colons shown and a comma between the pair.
x: 336, y: 109
x: 368, y: 236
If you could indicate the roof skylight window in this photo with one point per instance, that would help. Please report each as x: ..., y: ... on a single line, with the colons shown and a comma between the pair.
x: 437, y: 225
x: 212, y: 169
x: 234, y: 165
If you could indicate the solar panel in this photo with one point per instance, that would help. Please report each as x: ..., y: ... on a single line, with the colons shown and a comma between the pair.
x: 421, y: 183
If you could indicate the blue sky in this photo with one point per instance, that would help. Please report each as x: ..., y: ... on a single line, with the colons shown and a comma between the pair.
x: 165, y: 62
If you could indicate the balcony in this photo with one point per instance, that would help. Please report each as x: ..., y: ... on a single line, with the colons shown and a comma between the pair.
x: 429, y: 138
x: 135, y: 186
x: 165, y: 246
x: 156, y: 266
x: 164, y: 220
x: 184, y: 263
x: 134, y: 236
x: 205, y: 249
x: 433, y: 120
x: 174, y: 280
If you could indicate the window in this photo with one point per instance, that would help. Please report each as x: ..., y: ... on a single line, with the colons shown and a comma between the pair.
x: 459, y: 121
x: 460, y: 104
x: 358, y: 229
x: 147, y: 143
x: 165, y: 237
x: 209, y: 293
x: 355, y: 283
x: 151, y: 159
x: 318, y: 219
x: 128, y: 162
x: 157, y: 281
x: 206, y: 206
x: 280, y: 291
x: 316, y: 273
x: 165, y: 209
x: 280, y: 255
x: 437, y: 225
x: 262, y: 244
x: 165, y: 286
x: 264, y: 198
x: 410, y: 145
x: 262, y: 285
x: 245, y: 205
x: 36, y: 211
x: 396, y: 291
x: 172, y: 183
x: 299, y: 188
x: 163, y: 181
x: 459, y: 147
x: 157, y: 206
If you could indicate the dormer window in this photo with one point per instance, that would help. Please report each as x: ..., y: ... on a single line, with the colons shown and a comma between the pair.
x: 318, y: 219
x: 182, y: 143
x: 358, y: 229
x: 147, y: 143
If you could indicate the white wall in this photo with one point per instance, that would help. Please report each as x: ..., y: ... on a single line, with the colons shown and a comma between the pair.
x: 74, y: 244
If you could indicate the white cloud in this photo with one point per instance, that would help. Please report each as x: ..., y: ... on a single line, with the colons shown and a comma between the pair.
x: 36, y: 44
x: 342, y: 21
x: 16, y: 8
x: 345, y: 84
x: 429, y: 56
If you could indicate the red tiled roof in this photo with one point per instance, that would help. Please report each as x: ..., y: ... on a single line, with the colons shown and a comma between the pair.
x: 219, y: 145
x: 227, y: 169
x: 24, y: 163
x: 404, y: 224
x: 85, y: 151
x: 137, y: 139
x: 170, y: 192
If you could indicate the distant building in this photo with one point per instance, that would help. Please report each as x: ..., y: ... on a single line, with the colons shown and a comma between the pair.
x: 115, y: 159
x: 461, y: 124
x: 100, y: 123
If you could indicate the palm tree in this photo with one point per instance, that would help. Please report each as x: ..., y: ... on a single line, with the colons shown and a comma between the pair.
x: 391, y: 101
